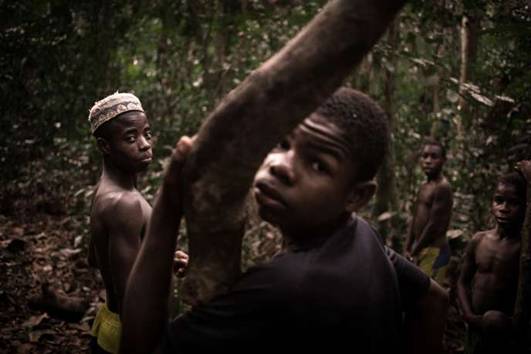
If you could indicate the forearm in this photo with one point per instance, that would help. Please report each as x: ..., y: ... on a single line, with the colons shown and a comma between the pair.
x: 430, y: 234
x: 409, y: 240
x: 145, y: 305
x: 463, y: 296
x: 425, y: 323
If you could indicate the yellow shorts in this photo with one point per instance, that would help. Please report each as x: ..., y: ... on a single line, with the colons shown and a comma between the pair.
x: 107, y: 328
x: 434, y: 262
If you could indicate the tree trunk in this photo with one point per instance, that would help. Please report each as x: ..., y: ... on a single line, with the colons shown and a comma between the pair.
x: 252, y: 118
x: 386, y: 199
x: 462, y: 76
x: 469, y: 38
x: 436, y: 129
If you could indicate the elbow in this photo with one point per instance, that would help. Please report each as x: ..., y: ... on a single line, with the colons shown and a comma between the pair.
x: 439, y: 296
x: 445, y: 301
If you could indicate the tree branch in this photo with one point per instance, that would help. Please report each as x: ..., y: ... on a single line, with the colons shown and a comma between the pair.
x: 251, y: 119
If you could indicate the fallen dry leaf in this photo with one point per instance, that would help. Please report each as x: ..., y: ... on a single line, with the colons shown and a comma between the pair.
x: 34, y: 320
x: 35, y: 336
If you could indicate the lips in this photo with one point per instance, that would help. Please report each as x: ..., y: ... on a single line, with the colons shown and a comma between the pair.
x: 267, y: 195
x: 503, y: 219
x: 146, y: 159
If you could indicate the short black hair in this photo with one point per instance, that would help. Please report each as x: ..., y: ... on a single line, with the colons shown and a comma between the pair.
x: 365, y: 126
x: 516, y: 180
x: 432, y: 141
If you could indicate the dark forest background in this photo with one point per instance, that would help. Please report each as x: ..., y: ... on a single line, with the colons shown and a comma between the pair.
x: 456, y: 70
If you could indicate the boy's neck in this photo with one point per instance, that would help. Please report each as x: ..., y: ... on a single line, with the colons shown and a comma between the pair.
x: 125, y: 180
x: 509, y: 231
x: 435, y: 177
x: 306, y: 239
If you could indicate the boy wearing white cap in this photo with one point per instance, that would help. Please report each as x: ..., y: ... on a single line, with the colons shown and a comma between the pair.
x: 119, y: 213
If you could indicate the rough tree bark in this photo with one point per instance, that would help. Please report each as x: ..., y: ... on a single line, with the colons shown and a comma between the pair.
x: 386, y: 198
x: 468, y: 38
x: 252, y: 118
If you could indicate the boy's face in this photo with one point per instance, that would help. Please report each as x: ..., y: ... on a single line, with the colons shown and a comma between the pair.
x: 305, y: 182
x: 507, y: 207
x: 130, y: 142
x: 431, y: 160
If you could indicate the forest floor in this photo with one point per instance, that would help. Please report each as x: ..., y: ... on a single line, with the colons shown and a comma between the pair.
x: 50, y: 252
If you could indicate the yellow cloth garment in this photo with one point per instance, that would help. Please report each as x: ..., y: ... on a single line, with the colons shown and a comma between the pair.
x: 107, y: 328
x: 426, y: 258
x: 426, y: 261
x: 434, y: 262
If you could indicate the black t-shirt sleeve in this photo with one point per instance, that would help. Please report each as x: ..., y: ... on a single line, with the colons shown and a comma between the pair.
x: 412, y: 282
x: 208, y: 327
x: 232, y: 320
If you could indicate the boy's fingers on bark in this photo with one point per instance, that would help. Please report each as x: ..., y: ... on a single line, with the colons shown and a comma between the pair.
x: 180, y: 263
x: 183, y: 147
x: 181, y: 256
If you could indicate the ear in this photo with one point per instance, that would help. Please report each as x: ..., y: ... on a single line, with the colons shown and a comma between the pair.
x: 103, y: 145
x: 360, y: 195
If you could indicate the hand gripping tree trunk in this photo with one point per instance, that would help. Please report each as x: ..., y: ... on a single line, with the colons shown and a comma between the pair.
x: 252, y: 118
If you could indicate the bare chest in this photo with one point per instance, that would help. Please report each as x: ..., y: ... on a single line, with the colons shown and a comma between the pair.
x: 500, y: 257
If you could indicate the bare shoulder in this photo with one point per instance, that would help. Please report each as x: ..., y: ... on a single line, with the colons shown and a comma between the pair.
x: 442, y: 191
x: 474, y: 242
x: 478, y: 236
x: 482, y: 235
x: 119, y: 205
x: 443, y: 186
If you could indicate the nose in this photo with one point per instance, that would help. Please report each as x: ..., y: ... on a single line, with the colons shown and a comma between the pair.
x: 144, y: 143
x: 281, y: 167
x: 504, y: 207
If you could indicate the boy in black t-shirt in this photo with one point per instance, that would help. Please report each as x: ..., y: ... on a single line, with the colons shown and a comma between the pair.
x: 337, y: 284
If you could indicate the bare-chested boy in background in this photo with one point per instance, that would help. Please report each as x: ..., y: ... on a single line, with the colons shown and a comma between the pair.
x: 426, y: 242
x: 488, y: 282
x: 119, y: 213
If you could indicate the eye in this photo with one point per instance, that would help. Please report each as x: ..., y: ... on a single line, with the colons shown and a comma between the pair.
x: 319, y: 166
x: 148, y: 134
x: 283, y: 145
x: 130, y: 139
x: 498, y: 200
x: 513, y: 202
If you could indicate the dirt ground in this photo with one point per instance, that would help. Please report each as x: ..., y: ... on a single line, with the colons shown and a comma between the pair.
x: 50, y: 251
x: 46, y: 251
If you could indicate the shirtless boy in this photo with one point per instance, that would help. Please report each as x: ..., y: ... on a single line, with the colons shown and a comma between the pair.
x: 488, y: 282
x: 426, y: 242
x: 119, y: 213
